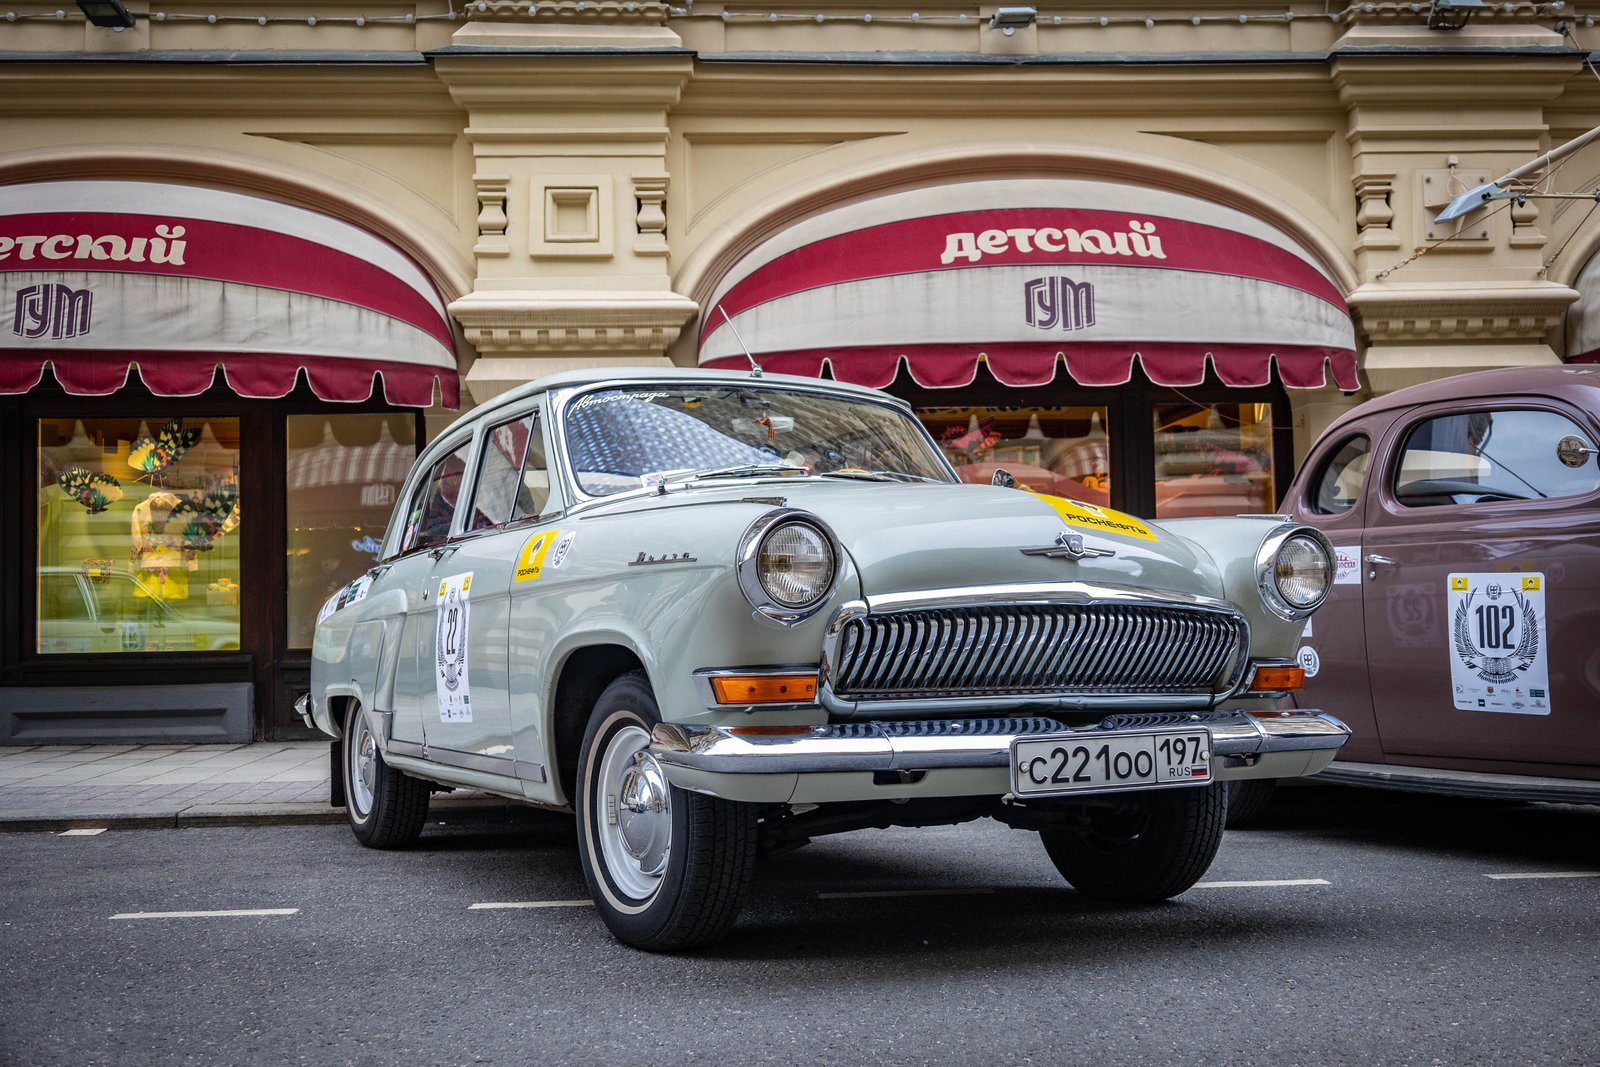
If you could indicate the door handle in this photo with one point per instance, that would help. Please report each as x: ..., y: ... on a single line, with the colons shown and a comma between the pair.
x: 441, y: 552
x: 1380, y: 561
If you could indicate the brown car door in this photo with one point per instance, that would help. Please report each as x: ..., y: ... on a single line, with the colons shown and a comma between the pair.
x: 1331, y: 494
x: 1481, y: 579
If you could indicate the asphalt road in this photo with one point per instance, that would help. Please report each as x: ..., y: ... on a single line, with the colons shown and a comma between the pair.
x: 1392, y: 944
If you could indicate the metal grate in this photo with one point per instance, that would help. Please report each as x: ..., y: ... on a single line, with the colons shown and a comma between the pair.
x: 1014, y: 650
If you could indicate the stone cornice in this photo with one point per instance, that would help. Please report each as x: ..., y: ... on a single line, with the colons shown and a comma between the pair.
x: 518, y: 323
x: 1524, y: 312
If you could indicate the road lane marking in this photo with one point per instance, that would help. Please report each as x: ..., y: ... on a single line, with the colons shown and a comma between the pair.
x: 1264, y: 884
x: 496, y: 905
x: 1548, y: 874
x: 230, y: 914
x: 861, y: 894
x: 82, y: 833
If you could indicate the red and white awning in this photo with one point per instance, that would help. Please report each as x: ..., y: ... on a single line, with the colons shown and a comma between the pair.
x: 97, y: 277
x: 1583, y: 317
x: 1026, y: 274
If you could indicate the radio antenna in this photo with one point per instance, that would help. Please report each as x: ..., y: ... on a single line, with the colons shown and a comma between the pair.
x: 755, y: 368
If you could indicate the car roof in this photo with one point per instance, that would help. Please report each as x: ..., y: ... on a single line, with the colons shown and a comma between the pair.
x: 685, y: 375
x: 1572, y: 382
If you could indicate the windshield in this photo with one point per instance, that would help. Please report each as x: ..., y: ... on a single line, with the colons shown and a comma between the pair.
x: 622, y: 438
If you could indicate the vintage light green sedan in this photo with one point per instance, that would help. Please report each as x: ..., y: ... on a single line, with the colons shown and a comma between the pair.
x: 717, y: 613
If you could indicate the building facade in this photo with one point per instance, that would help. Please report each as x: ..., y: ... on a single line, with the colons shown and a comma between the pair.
x: 1134, y: 254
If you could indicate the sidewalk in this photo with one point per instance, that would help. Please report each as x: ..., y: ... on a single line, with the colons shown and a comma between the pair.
x: 60, y: 787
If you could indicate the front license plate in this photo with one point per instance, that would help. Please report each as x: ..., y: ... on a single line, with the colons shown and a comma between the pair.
x: 1076, y: 763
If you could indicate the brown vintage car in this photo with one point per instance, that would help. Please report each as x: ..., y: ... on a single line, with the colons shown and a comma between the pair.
x: 1461, y: 639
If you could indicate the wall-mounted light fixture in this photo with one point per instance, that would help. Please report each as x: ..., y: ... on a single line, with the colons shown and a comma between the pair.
x: 109, y: 13
x: 1452, y: 14
x: 1007, y: 19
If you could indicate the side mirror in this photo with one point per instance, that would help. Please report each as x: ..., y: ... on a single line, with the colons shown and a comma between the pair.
x: 1003, y: 477
x: 1571, y: 450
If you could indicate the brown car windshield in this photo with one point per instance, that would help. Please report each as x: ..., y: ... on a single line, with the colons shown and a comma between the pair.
x: 622, y: 438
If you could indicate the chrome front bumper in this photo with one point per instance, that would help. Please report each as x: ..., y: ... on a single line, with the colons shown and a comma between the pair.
x: 713, y: 759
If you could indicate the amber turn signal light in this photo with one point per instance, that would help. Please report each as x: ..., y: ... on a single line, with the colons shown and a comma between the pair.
x: 765, y: 689
x: 1277, y: 679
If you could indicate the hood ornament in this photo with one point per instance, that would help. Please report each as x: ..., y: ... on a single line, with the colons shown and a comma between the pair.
x: 1069, y: 546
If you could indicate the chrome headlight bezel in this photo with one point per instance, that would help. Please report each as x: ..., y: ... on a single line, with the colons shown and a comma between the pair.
x: 1268, y: 556
x: 748, y: 565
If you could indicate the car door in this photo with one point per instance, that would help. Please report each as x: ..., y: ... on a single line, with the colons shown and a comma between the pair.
x: 1482, y: 587
x: 469, y: 665
x: 1333, y: 495
x: 425, y: 541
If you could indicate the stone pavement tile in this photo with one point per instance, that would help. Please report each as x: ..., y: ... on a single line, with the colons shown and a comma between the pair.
x: 68, y: 776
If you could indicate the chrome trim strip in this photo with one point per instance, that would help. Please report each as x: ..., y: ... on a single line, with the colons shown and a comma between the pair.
x: 1042, y: 593
x: 407, y: 748
x: 528, y: 772
x: 941, y: 743
x: 504, y: 766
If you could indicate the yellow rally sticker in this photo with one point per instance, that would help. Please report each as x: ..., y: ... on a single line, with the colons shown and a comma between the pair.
x: 1078, y: 513
x: 1458, y: 583
x: 531, y: 562
x: 1530, y: 585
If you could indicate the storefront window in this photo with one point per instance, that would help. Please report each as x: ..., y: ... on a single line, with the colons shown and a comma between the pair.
x: 1063, y: 451
x: 1213, y: 459
x: 138, y: 524
x: 343, y: 476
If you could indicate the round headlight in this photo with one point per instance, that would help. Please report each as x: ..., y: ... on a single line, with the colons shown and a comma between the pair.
x: 1299, y: 573
x: 795, y: 564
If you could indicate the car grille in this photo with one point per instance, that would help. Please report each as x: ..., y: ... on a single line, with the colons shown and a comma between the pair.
x: 1017, y: 650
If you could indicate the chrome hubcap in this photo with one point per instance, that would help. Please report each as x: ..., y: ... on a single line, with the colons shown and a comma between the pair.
x: 634, y: 816
x: 642, y: 817
x: 363, y: 766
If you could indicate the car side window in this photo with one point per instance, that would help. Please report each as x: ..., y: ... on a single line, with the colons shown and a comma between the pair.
x: 494, y: 499
x: 533, y: 494
x: 1487, y: 456
x: 434, y: 504
x: 1338, y: 486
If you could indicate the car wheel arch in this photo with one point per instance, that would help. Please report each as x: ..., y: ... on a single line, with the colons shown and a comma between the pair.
x: 583, y: 676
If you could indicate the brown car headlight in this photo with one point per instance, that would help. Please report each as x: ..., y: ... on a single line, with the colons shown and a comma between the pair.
x: 787, y: 565
x: 1294, y: 571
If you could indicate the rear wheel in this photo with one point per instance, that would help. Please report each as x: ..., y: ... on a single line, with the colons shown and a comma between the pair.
x: 667, y: 869
x: 1141, y: 847
x: 1248, y: 800
x: 386, y: 807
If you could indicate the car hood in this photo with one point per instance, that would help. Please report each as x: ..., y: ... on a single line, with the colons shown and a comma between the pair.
x: 917, y: 537
x: 906, y: 538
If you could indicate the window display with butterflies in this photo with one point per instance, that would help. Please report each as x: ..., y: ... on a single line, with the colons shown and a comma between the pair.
x: 150, y: 507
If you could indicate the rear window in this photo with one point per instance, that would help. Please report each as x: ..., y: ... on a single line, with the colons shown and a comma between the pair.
x: 1339, y: 482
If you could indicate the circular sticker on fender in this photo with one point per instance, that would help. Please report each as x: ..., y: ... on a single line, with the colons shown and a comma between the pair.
x: 1309, y: 661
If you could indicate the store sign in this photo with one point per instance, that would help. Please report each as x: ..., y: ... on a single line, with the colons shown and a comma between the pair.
x: 53, y: 311
x: 178, y: 280
x: 1049, y: 303
x: 1025, y: 275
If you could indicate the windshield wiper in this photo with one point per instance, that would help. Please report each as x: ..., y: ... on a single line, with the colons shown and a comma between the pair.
x: 877, y: 476
x: 741, y: 470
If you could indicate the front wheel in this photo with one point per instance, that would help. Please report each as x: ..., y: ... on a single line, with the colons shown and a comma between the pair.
x: 667, y: 869
x: 1141, y: 847
x: 386, y: 808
